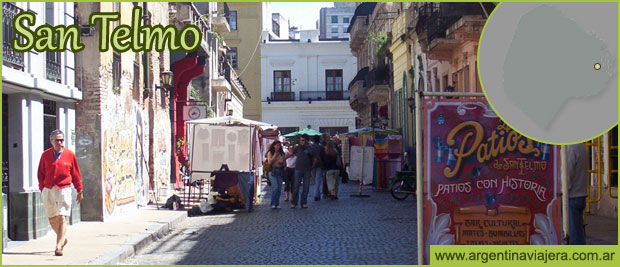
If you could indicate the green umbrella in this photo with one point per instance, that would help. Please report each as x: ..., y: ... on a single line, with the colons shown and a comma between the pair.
x: 307, y: 131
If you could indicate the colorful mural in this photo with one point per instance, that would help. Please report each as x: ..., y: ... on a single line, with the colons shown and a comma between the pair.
x: 125, y: 155
x: 119, y: 168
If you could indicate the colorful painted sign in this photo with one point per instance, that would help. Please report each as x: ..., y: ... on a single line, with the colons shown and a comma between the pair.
x: 484, y: 183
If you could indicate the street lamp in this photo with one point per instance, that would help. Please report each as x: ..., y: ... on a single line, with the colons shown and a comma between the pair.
x: 411, y: 103
x: 166, y: 80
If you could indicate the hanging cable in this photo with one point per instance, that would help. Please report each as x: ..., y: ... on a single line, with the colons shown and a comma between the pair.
x: 252, y: 56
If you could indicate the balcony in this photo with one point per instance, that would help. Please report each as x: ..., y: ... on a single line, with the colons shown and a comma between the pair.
x: 188, y: 14
x: 220, y: 23
x: 447, y: 25
x: 358, y: 27
x: 220, y: 82
x: 235, y: 82
x: 357, y: 89
x: 52, y: 66
x: 282, y: 96
x: 228, y: 81
x: 359, y: 32
x: 378, y: 82
x: 10, y: 58
x: 323, y: 95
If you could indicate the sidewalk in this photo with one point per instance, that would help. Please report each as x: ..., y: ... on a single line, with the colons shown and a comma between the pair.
x: 601, y: 230
x: 99, y: 243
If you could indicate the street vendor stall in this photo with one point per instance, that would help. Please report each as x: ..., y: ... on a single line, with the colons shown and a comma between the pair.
x: 373, y: 154
x: 227, y: 148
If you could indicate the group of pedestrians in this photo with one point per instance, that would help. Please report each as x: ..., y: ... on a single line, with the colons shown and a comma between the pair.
x: 303, y: 165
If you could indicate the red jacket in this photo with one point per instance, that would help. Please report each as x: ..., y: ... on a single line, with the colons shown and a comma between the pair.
x: 59, y: 173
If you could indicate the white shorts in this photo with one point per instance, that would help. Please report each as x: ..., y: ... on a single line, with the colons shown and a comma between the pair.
x: 57, y: 201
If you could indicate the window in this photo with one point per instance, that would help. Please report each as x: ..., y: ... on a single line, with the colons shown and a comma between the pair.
x: 232, y: 20
x: 136, y: 81
x: 49, y: 13
x: 232, y: 57
x: 334, y: 29
x: 333, y: 80
x: 334, y: 19
x: 52, y: 59
x: 345, y: 20
x: 276, y: 27
x: 49, y: 121
x: 282, y: 81
x: 116, y: 70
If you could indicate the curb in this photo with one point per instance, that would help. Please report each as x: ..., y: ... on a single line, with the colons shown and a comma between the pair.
x: 140, y: 241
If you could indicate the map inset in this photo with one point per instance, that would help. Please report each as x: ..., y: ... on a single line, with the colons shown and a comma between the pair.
x: 563, y: 58
x: 550, y: 69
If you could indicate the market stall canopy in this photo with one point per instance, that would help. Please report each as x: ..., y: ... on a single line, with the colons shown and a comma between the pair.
x: 234, y: 121
x: 307, y: 131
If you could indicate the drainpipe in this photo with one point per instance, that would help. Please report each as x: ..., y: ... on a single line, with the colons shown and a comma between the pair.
x: 145, y: 55
x: 146, y: 64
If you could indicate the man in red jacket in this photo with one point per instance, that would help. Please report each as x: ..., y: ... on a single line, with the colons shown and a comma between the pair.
x: 58, y: 169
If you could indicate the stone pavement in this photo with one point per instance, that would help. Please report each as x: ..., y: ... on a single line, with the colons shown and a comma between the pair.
x: 374, y: 230
x: 98, y: 243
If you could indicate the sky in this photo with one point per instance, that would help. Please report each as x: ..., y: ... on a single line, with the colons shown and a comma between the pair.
x: 300, y: 14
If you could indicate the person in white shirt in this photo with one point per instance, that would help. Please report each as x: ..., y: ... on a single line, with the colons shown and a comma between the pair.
x: 289, y: 173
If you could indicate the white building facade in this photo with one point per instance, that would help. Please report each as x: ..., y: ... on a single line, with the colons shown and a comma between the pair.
x: 334, y: 21
x: 305, y: 83
x: 38, y: 95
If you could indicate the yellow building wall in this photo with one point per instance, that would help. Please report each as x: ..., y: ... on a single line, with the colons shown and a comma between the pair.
x: 245, y: 39
x: 401, y: 63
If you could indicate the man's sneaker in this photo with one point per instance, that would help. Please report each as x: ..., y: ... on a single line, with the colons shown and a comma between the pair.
x: 293, y: 206
x: 273, y: 207
x: 304, y: 206
x: 278, y: 207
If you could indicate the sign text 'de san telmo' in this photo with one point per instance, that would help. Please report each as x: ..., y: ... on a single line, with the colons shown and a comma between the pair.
x: 484, y: 182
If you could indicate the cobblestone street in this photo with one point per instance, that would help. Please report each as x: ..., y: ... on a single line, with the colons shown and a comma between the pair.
x: 374, y: 230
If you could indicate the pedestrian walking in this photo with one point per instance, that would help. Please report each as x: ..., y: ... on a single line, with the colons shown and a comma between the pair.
x: 318, y: 172
x: 276, y: 157
x: 332, y: 168
x: 289, y: 174
x: 306, y: 159
x: 577, y: 160
x: 58, y: 169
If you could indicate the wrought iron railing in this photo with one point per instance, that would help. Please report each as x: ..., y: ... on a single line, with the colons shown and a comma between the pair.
x: 52, y: 66
x: 435, y: 18
x: 282, y: 96
x: 323, y: 95
x: 9, y: 56
x: 378, y: 76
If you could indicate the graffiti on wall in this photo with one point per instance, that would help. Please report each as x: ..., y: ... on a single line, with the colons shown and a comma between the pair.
x: 125, y: 146
x: 161, y: 147
x: 119, y: 168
